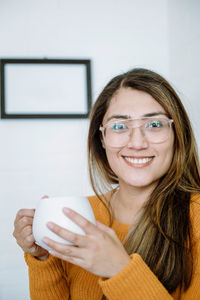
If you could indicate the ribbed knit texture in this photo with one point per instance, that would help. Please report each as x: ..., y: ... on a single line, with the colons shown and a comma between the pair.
x: 54, y: 279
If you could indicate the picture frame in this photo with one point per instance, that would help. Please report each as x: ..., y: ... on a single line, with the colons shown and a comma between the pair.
x: 45, y: 88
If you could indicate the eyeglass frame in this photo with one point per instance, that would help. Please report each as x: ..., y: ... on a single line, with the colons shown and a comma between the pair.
x: 103, y: 127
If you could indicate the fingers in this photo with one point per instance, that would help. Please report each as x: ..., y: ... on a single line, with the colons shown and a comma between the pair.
x: 23, y: 232
x: 23, y: 219
x: 26, y: 231
x: 23, y: 228
x: 87, y: 226
x: 24, y: 213
x: 28, y: 241
x: 24, y: 236
x: 66, y: 250
x: 23, y: 222
x: 76, y: 239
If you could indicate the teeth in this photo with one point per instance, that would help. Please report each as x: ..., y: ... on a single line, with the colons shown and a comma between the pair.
x: 138, y: 161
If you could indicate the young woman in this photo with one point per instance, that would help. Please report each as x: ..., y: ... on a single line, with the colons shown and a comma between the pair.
x: 145, y: 173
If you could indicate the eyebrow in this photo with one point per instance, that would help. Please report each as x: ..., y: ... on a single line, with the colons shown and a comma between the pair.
x: 125, y: 117
x: 155, y: 113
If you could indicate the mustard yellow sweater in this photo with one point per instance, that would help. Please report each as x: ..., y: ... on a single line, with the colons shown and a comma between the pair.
x: 54, y: 279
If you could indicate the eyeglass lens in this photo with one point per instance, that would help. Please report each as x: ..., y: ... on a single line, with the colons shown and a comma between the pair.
x: 119, y: 133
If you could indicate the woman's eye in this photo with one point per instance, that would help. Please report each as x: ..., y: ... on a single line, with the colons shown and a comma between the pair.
x: 118, y: 126
x: 154, y: 124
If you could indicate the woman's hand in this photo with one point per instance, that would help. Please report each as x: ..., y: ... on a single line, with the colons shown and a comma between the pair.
x: 24, y: 235
x: 99, y: 251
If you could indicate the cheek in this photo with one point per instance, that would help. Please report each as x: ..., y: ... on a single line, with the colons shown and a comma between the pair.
x: 166, y: 156
x: 112, y: 158
x: 170, y: 150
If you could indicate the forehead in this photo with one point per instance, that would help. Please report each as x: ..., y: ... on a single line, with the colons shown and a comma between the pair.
x: 132, y: 103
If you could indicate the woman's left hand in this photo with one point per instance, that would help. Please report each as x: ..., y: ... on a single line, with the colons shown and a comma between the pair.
x: 99, y: 251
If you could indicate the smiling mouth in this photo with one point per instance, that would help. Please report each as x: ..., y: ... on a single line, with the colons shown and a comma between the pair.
x: 138, y: 161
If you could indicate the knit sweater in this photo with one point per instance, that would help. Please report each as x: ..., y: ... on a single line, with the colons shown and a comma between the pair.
x: 54, y: 279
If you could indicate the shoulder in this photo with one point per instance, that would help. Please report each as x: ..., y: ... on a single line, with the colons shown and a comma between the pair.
x: 95, y: 202
x: 195, y: 213
x: 195, y: 203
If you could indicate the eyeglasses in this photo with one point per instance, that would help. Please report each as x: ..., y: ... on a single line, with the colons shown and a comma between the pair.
x: 118, y: 133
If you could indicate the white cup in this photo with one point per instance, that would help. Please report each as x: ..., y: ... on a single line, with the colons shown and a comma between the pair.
x: 51, y: 210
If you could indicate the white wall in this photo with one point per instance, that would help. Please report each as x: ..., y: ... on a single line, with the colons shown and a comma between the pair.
x: 184, y: 43
x: 40, y: 157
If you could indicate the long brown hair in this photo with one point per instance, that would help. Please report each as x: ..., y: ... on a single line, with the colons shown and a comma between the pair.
x: 163, y: 234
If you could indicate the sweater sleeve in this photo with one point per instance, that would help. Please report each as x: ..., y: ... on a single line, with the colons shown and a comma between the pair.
x: 47, y: 279
x: 135, y: 282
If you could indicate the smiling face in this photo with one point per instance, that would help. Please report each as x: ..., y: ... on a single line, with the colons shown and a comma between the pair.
x: 139, y: 163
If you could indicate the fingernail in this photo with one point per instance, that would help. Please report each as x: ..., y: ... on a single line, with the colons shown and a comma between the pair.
x: 66, y: 210
x: 50, y: 225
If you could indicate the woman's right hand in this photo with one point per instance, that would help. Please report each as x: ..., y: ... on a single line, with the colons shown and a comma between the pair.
x: 24, y: 235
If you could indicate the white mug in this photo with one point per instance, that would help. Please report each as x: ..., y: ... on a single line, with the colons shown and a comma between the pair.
x: 51, y: 210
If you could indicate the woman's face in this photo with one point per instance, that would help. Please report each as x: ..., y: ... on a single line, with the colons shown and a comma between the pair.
x: 140, y: 163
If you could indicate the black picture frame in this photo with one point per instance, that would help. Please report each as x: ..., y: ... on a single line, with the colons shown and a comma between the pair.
x: 84, y: 64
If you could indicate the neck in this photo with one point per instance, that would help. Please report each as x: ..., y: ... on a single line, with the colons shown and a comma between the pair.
x: 128, y: 203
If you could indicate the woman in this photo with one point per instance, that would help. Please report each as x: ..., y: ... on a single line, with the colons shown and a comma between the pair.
x: 145, y: 172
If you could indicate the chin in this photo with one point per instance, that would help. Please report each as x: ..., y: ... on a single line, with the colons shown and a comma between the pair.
x: 140, y: 183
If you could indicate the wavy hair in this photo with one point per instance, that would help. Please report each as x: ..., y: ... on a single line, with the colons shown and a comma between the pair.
x: 163, y: 234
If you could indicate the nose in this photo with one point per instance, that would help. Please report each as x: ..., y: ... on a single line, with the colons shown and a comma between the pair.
x: 137, y: 139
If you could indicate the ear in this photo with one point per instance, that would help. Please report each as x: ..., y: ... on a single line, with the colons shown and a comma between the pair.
x: 102, y: 142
